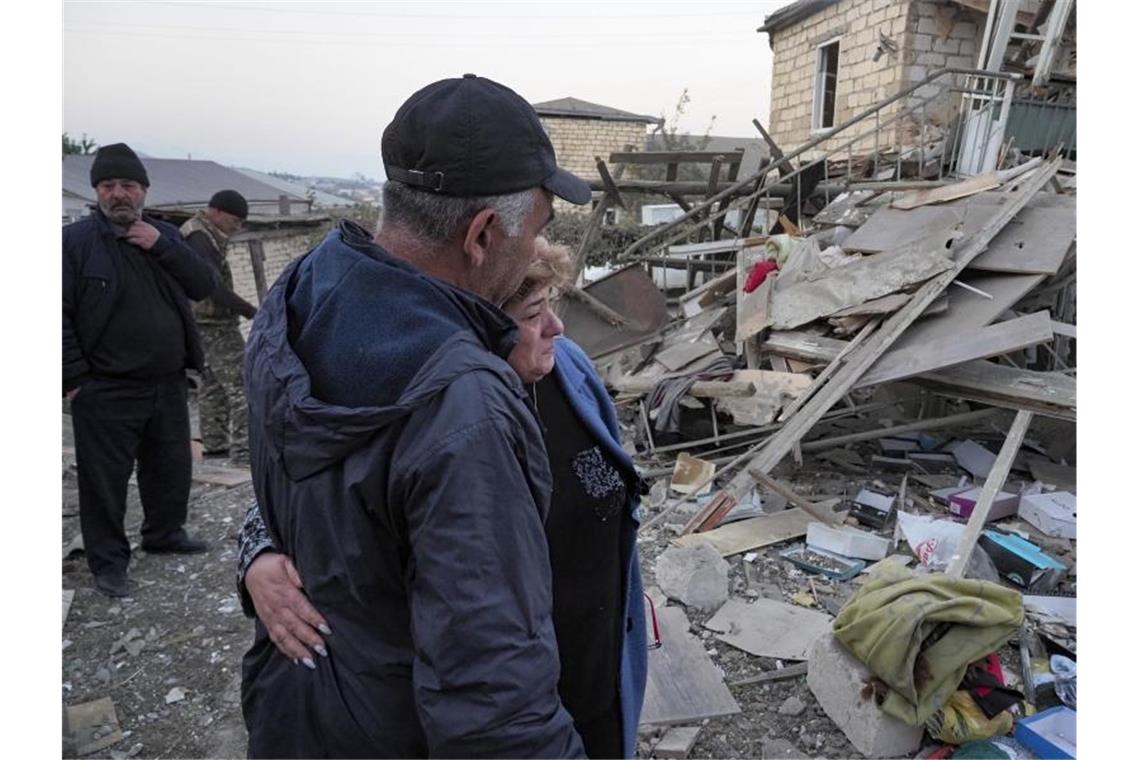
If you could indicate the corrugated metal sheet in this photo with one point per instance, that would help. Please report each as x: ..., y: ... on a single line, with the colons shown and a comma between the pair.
x: 182, y: 183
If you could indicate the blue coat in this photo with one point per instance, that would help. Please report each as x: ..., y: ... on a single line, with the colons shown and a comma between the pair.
x: 588, y: 397
x: 396, y: 459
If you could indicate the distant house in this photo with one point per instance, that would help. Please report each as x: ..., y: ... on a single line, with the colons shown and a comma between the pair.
x: 580, y: 131
x: 833, y: 59
x: 281, y: 225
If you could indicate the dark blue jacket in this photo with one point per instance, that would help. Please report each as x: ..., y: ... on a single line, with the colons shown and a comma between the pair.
x: 396, y: 460
x: 91, y: 288
x: 588, y: 397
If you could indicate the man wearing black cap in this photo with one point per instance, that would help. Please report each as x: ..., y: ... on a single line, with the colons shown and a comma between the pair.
x: 397, y: 460
x: 128, y: 337
x: 221, y: 399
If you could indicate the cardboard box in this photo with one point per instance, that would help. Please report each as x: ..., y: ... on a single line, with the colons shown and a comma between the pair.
x: 1054, y: 513
x: 962, y: 504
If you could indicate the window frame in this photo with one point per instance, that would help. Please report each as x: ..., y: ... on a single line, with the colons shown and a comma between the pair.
x: 819, y: 86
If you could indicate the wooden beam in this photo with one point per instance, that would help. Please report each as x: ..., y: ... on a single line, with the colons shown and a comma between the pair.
x: 597, y: 307
x: 783, y: 489
x: 673, y: 157
x: 936, y: 423
x: 828, y: 371
x: 778, y: 446
x: 994, y: 481
x: 257, y: 261
x: 773, y: 149
x: 699, y: 389
x: 608, y: 181
x: 791, y: 671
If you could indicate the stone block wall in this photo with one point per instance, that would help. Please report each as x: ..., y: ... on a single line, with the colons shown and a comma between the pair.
x: 280, y: 248
x: 929, y: 34
x: 577, y: 140
x: 860, y: 83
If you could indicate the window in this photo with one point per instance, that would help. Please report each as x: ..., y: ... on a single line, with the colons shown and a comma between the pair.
x: 826, y: 75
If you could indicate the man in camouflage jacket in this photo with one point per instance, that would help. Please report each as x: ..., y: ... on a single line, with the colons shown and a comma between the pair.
x: 222, y: 411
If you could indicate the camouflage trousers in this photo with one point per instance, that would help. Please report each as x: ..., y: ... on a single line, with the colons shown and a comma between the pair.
x: 222, y: 409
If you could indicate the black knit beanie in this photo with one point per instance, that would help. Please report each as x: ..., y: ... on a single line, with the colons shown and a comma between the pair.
x: 117, y: 161
x: 230, y: 201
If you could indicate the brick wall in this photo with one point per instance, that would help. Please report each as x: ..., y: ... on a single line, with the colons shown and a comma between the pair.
x: 576, y: 141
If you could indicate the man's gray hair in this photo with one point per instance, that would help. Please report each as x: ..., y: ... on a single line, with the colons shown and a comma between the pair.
x: 438, y: 218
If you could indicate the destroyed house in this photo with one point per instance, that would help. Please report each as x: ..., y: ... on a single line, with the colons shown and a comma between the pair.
x: 832, y: 59
x: 281, y: 226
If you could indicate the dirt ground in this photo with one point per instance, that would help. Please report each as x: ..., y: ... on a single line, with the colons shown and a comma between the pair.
x: 181, y: 630
x: 169, y: 655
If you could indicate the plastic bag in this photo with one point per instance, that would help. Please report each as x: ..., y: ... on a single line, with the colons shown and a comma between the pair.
x: 961, y: 720
x: 1064, y: 679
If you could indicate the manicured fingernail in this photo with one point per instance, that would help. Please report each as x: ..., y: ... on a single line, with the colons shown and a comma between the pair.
x: 295, y: 662
x: 309, y: 663
x: 324, y: 629
x: 321, y: 651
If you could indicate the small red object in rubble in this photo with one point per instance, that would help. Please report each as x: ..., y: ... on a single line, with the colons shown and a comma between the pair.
x: 760, y: 271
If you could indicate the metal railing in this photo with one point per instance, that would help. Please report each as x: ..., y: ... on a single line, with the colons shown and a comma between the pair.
x: 949, y: 124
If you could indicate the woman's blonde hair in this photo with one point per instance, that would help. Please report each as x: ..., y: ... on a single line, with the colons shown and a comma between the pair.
x: 551, y: 268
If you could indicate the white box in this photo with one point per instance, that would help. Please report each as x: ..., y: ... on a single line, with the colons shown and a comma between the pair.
x: 847, y: 541
x: 1054, y: 514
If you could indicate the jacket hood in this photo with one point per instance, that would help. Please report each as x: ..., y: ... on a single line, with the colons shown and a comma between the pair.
x: 350, y: 340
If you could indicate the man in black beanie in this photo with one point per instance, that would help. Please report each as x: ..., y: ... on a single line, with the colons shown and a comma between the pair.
x: 222, y: 411
x: 128, y: 337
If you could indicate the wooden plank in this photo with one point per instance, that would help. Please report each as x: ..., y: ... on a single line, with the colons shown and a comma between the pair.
x: 608, y: 181
x: 683, y: 684
x: 890, y: 228
x: 778, y: 446
x: 1035, y: 242
x: 1049, y: 393
x: 677, y: 742
x: 828, y: 371
x: 221, y: 475
x: 700, y: 389
x: 768, y: 628
x: 715, y: 246
x: 970, y: 311
x: 994, y: 482
x: 945, y: 193
x: 753, y: 533
x: 780, y: 674
x: 677, y: 156
x: 995, y: 340
x: 825, y: 516
x: 257, y: 261
x: 91, y: 726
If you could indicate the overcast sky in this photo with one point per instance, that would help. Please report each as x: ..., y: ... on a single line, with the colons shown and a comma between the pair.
x: 308, y: 87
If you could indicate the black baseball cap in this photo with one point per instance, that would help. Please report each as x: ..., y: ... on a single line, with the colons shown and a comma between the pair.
x: 469, y: 137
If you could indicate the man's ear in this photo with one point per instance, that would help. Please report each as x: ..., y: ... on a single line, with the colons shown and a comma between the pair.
x: 479, y: 238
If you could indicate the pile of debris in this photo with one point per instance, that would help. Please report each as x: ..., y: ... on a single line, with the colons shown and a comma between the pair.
x: 884, y: 344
